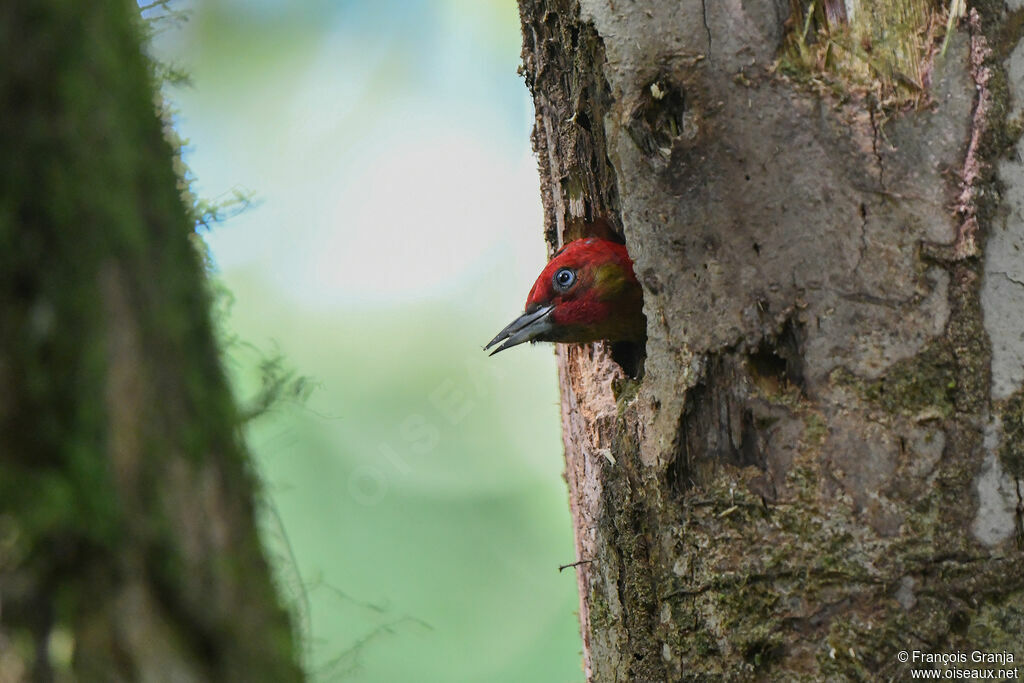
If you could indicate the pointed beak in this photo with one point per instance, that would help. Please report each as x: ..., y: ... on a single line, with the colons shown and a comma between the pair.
x: 527, y: 327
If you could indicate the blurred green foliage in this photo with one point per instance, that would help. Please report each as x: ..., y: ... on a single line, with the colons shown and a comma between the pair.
x: 415, y: 512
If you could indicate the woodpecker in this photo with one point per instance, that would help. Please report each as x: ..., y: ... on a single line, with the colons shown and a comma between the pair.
x: 587, y: 292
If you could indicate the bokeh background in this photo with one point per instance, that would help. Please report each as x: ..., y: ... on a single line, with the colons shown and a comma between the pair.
x: 416, y: 513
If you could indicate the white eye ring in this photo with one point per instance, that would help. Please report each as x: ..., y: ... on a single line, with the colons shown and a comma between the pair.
x: 563, y: 279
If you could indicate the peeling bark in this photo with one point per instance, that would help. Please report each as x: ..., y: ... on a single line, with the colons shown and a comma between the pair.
x: 820, y: 466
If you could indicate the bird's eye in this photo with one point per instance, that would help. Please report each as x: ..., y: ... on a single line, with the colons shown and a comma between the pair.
x: 564, y: 279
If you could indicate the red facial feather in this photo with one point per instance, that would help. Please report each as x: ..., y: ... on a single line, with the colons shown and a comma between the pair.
x: 583, y: 256
x: 603, y: 302
x: 583, y: 311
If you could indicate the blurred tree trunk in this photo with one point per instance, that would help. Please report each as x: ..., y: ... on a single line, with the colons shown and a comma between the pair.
x: 128, y: 549
x: 821, y: 465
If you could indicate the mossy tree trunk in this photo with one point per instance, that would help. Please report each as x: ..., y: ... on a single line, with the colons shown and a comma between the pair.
x: 821, y: 464
x: 127, y: 542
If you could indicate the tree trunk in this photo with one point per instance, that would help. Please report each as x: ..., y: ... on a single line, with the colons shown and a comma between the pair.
x: 127, y: 542
x: 820, y: 464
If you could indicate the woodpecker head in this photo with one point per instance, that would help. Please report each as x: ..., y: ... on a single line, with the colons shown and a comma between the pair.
x: 586, y: 293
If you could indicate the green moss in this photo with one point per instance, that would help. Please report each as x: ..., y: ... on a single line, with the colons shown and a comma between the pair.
x: 1009, y: 31
x: 624, y: 390
x: 968, y: 339
x: 600, y: 616
x: 999, y: 627
x: 928, y: 381
x: 111, y: 392
x: 630, y: 532
x: 815, y: 429
x: 885, y: 50
x: 1011, y: 452
x: 756, y: 575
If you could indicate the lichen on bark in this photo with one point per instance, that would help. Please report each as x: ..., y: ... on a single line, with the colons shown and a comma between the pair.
x: 794, y: 485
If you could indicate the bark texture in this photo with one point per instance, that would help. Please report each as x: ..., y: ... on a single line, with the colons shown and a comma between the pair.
x: 128, y: 550
x: 822, y: 463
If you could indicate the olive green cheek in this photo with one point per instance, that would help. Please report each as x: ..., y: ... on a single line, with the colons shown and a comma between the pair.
x: 609, y: 280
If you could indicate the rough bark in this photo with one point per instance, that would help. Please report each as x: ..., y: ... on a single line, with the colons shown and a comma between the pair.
x: 821, y: 464
x: 127, y: 542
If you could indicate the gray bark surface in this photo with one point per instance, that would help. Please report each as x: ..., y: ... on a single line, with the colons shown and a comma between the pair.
x: 821, y: 465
